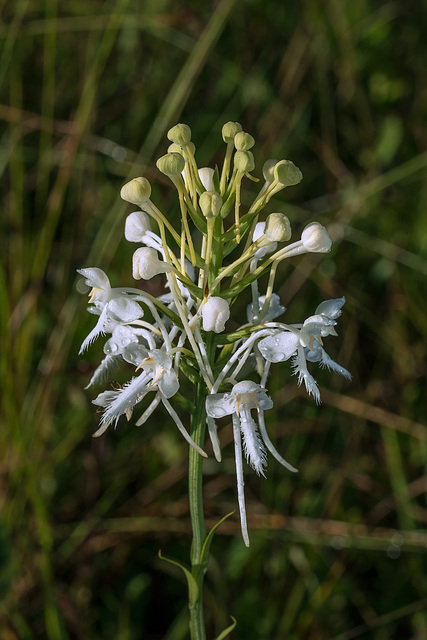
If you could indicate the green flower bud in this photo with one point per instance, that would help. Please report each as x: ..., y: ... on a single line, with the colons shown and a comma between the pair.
x: 180, y: 134
x: 137, y: 191
x: 268, y: 170
x: 172, y: 164
x: 287, y: 174
x: 243, y: 141
x: 244, y: 161
x: 176, y: 148
x: 278, y: 227
x: 229, y: 130
x: 210, y: 203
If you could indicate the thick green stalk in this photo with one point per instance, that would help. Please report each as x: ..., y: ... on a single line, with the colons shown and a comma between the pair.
x: 198, y: 424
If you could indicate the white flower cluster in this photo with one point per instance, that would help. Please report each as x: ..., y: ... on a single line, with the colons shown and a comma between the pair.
x: 180, y: 337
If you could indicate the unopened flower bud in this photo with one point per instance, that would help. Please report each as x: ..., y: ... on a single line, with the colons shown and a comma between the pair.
x: 268, y: 170
x: 316, y: 239
x: 215, y: 314
x: 287, y: 174
x: 136, y: 226
x: 175, y: 148
x: 146, y: 264
x: 229, y: 130
x: 206, y: 175
x: 244, y: 161
x: 180, y: 134
x: 172, y: 164
x: 265, y: 245
x: 137, y: 191
x: 243, y: 141
x: 278, y: 227
x: 210, y: 203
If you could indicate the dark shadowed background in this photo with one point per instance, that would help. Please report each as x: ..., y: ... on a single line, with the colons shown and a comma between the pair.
x: 88, y: 91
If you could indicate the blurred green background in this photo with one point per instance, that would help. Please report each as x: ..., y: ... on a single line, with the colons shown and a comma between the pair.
x: 88, y: 91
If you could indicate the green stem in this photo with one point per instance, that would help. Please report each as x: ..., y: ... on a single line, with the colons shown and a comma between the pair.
x: 198, y: 423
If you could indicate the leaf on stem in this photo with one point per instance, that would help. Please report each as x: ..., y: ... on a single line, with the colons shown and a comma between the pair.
x: 204, y: 556
x: 193, y: 589
x: 228, y: 630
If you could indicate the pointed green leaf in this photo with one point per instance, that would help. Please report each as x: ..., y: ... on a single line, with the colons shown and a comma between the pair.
x: 204, y: 556
x: 193, y: 589
x: 228, y: 630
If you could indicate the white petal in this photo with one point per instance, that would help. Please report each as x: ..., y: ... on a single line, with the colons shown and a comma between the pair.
x: 219, y: 405
x: 95, y: 277
x: 279, y: 347
x: 331, y: 308
x: 122, y: 336
x: 135, y: 354
x: 168, y: 383
x: 124, y: 309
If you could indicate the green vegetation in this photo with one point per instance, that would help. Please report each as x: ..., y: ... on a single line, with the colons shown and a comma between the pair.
x: 88, y: 91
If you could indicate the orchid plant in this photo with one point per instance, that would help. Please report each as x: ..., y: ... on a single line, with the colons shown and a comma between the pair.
x: 219, y: 251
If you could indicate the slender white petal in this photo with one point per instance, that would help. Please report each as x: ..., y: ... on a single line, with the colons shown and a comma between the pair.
x: 149, y: 410
x: 240, y: 481
x: 213, y: 435
x: 98, y: 328
x: 103, y: 371
x: 272, y: 449
x: 173, y: 414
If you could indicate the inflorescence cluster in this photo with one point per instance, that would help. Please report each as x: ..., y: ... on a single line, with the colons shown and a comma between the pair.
x: 218, y: 252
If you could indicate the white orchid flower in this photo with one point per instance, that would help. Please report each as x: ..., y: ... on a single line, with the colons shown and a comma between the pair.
x: 275, y: 309
x: 157, y: 375
x: 239, y: 402
x: 112, y: 305
x: 304, y: 342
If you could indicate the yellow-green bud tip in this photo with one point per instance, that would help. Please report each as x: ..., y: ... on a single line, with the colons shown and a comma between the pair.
x: 137, y: 191
x: 210, y: 203
x: 229, y: 130
x: 180, y: 134
x: 287, y: 174
x: 172, y: 164
x: 244, y: 161
x: 243, y: 141
x: 278, y: 227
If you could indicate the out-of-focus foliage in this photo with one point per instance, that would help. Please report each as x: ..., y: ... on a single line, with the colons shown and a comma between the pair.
x: 88, y: 90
